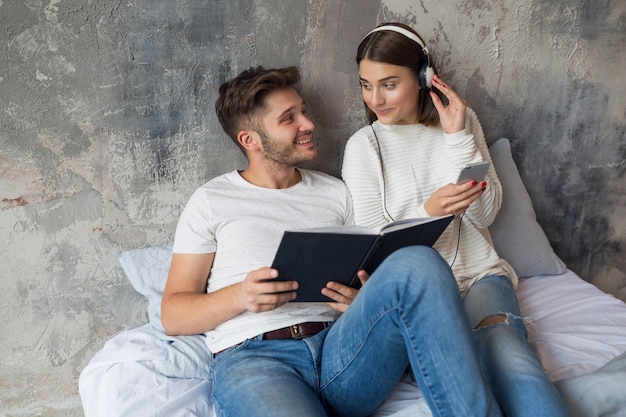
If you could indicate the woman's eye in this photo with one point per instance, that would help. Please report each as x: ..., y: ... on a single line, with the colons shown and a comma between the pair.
x: 389, y: 86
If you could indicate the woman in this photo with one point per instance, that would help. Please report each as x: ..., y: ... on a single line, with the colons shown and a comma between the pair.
x: 405, y: 164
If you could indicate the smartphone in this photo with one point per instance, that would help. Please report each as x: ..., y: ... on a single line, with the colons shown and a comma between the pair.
x: 473, y: 172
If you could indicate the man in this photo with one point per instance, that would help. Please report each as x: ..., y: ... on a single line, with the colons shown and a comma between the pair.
x: 273, y: 357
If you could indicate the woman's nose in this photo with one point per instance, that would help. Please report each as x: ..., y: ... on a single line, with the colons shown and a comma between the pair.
x: 377, y: 97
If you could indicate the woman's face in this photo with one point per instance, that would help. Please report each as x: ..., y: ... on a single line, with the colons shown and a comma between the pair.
x: 390, y: 91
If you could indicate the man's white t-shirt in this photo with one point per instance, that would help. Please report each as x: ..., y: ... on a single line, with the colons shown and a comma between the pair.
x: 243, y: 225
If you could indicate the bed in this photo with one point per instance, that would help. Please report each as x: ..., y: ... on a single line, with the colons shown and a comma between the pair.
x: 577, y: 331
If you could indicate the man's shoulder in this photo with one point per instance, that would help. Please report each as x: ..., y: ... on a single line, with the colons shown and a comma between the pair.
x: 216, y: 186
x: 316, y: 177
x: 220, y: 181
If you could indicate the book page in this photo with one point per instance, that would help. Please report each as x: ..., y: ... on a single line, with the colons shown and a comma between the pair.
x: 340, y: 229
x: 403, y: 224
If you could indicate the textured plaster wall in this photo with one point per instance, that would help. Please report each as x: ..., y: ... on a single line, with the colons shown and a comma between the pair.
x: 107, y: 125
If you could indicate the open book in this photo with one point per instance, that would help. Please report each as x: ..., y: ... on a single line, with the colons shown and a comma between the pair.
x: 315, y: 256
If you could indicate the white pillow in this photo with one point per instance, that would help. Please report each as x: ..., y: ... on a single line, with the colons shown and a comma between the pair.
x: 516, y: 235
x: 182, y: 356
x: 147, y: 270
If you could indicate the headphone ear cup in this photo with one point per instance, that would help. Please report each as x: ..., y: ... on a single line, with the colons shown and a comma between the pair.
x: 430, y: 74
x: 426, y: 76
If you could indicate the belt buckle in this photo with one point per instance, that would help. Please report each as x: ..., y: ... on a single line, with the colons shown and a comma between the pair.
x: 295, y: 332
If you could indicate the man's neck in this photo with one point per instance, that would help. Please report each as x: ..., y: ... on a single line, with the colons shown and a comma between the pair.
x: 276, y: 178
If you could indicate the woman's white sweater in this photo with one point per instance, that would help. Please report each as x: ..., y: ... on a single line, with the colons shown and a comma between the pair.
x: 416, y: 161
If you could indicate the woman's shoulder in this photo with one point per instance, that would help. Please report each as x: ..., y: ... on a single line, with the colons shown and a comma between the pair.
x: 362, y: 139
x: 363, y: 133
x: 472, y: 124
x: 470, y: 115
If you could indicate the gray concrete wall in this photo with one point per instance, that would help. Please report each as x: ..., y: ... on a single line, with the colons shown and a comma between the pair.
x: 107, y: 125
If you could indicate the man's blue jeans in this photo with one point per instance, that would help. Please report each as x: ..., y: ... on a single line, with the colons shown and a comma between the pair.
x: 408, y: 313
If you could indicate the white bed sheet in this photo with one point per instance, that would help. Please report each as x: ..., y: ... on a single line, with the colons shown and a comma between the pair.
x: 574, y: 329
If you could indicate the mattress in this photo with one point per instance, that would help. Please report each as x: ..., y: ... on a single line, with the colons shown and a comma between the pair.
x: 577, y: 331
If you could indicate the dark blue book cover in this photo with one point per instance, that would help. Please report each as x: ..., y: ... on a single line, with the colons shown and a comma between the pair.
x: 315, y: 256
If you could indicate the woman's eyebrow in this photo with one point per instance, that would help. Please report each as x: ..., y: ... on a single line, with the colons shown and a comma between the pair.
x: 382, y: 80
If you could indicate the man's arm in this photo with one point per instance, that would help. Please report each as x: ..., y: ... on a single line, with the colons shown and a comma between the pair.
x: 186, y: 308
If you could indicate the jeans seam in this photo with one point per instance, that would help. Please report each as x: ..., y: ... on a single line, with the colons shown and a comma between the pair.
x: 217, y: 361
x: 357, y: 351
x: 423, y: 372
x: 315, y: 357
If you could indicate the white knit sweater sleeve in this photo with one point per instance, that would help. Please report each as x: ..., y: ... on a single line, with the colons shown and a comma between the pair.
x: 483, y: 211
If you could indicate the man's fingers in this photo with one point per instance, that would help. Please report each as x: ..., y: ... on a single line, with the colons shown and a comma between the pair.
x: 267, y: 302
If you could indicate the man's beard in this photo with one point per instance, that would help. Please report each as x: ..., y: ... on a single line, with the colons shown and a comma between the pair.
x: 282, y: 156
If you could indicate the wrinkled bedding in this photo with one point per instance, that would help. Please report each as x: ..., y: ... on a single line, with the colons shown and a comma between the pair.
x: 577, y: 331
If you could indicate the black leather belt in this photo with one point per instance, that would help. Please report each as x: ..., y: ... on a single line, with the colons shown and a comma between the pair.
x: 297, y: 331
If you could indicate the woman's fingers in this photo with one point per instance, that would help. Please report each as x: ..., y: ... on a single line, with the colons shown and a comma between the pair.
x: 452, y: 115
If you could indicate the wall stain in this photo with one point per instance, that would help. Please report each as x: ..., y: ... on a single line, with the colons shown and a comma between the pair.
x: 9, y: 203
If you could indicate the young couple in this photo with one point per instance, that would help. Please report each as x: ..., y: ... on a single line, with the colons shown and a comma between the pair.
x: 458, y: 328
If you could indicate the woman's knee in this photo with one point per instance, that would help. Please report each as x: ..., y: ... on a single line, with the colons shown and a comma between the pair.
x: 493, y: 327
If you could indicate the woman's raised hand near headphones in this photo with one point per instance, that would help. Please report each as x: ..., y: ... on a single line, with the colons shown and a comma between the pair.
x: 452, y: 115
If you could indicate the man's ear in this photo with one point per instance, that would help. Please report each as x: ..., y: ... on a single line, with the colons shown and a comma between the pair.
x: 248, y: 139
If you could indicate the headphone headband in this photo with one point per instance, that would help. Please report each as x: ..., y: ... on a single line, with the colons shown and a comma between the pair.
x: 402, y: 31
x: 426, y: 73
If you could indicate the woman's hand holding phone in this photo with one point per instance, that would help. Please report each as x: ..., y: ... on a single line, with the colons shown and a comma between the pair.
x: 456, y: 198
x: 453, y: 198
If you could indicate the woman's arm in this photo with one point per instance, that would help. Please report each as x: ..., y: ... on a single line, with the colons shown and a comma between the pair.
x: 484, y: 210
x: 464, y: 146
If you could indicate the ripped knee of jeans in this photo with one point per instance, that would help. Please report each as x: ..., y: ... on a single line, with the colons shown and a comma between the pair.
x: 492, y: 320
x: 498, y: 319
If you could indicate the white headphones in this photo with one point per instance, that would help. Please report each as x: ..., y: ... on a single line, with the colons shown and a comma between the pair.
x: 426, y: 73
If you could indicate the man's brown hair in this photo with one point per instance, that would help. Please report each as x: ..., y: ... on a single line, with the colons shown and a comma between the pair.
x: 241, y: 99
